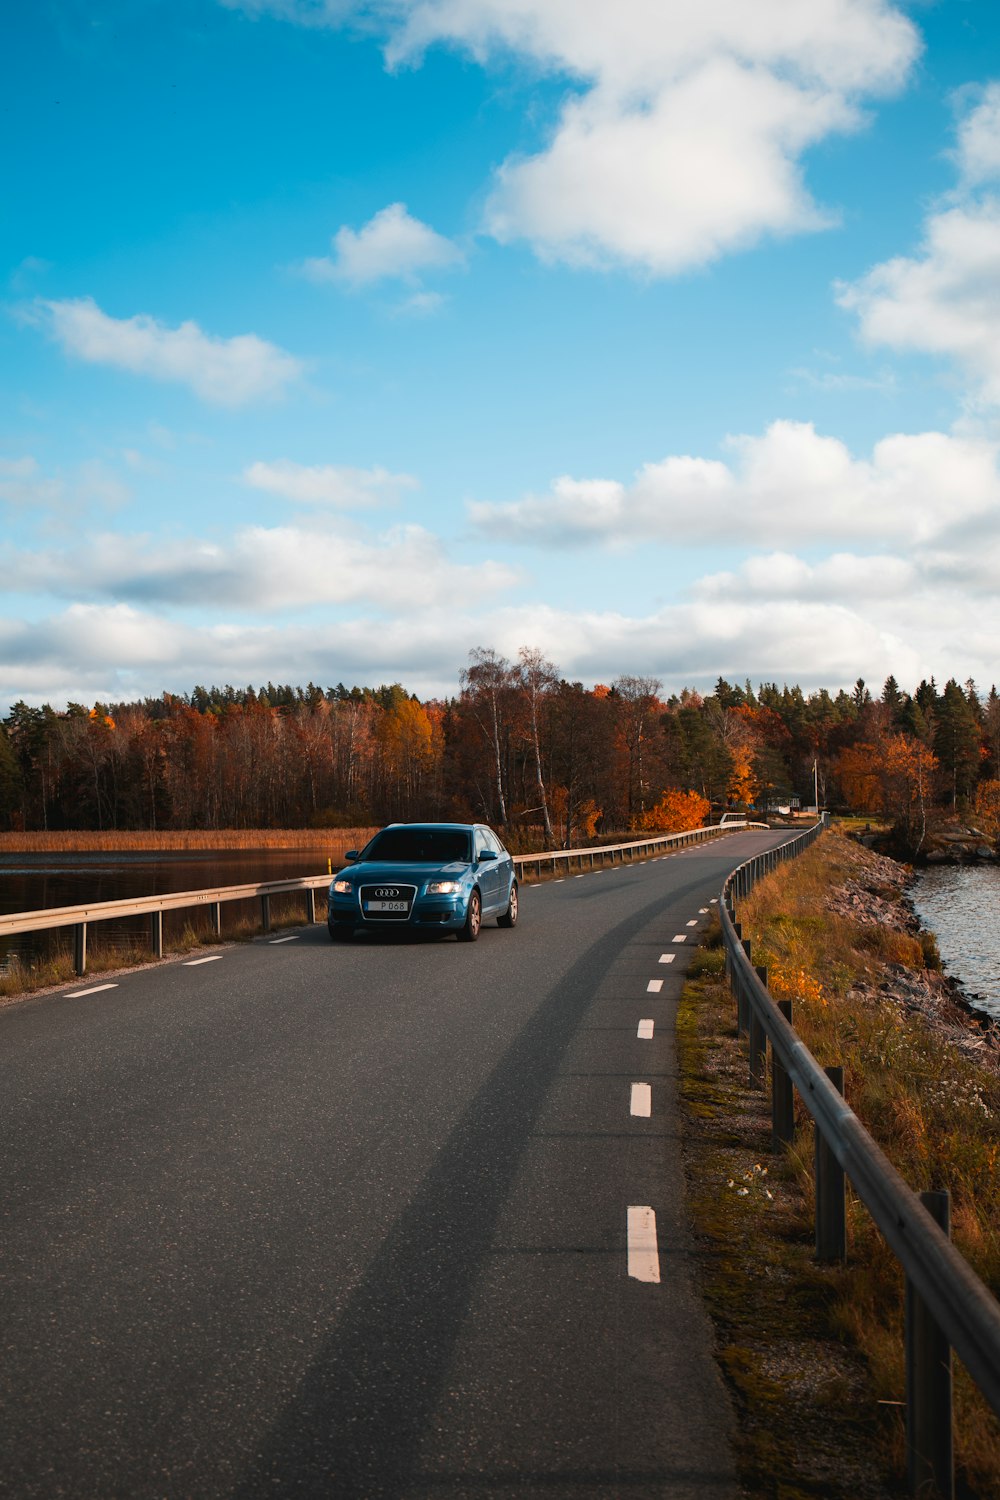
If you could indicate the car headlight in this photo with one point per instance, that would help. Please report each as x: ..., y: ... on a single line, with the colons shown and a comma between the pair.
x: 442, y: 887
x: 342, y: 887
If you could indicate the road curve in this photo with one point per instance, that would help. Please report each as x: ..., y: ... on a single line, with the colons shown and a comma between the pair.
x: 398, y: 1218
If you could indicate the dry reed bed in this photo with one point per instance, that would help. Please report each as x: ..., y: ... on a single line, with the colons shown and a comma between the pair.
x: 329, y: 840
x: 934, y: 1112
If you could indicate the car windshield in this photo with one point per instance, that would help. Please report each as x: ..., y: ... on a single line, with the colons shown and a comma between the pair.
x: 420, y: 846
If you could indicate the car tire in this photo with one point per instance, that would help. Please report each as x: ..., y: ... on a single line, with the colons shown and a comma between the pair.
x: 473, y: 919
x: 339, y: 933
x: 508, y: 918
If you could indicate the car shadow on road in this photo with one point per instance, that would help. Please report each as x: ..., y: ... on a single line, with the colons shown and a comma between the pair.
x: 355, y: 1425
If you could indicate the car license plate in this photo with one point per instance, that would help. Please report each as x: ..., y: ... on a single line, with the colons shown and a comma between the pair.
x: 387, y: 906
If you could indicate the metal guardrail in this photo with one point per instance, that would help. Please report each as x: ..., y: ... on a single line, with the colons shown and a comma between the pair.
x: 553, y: 857
x: 947, y: 1304
x: 79, y: 918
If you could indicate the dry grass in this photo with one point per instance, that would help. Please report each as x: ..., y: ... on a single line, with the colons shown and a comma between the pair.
x: 933, y: 1112
x: 332, y: 841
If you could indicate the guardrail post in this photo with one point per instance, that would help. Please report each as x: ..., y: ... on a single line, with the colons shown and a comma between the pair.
x: 782, y: 1093
x: 80, y: 947
x: 742, y: 999
x: 831, y: 1192
x: 311, y: 905
x: 156, y: 933
x: 217, y: 918
x: 265, y: 913
x: 930, y: 1461
x: 758, y: 1038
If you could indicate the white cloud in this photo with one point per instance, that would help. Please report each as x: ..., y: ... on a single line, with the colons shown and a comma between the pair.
x: 977, y: 152
x: 789, y: 485
x: 226, y: 372
x: 329, y: 484
x: 392, y: 245
x: 23, y: 484
x: 673, y: 183
x: 687, y: 140
x: 684, y: 138
x: 119, y: 651
x: 838, y: 579
x: 946, y: 299
x: 281, y: 568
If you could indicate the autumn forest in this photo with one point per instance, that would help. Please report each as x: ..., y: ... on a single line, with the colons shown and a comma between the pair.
x: 548, y: 761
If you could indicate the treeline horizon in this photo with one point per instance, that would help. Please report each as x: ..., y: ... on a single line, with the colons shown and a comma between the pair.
x: 519, y: 746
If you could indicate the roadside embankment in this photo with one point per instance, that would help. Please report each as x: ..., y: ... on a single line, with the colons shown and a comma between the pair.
x: 814, y: 1353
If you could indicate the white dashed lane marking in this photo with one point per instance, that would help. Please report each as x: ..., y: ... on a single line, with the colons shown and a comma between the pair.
x: 642, y: 1100
x: 654, y: 986
x: 667, y: 958
x: 693, y: 922
x: 273, y: 942
x: 643, y: 1255
x: 95, y: 989
x: 645, y: 1032
x: 680, y: 937
x: 192, y: 963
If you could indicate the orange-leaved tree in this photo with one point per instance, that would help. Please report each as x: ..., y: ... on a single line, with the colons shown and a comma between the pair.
x: 893, y: 778
x: 676, y: 812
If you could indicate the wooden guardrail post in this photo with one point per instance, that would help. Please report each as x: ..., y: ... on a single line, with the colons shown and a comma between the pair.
x: 216, y: 909
x: 782, y: 1093
x: 311, y: 904
x: 831, y: 1192
x: 156, y: 933
x: 930, y: 1463
x: 265, y: 913
x: 80, y: 948
x: 758, y: 1038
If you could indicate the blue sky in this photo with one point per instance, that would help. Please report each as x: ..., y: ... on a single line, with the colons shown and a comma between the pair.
x: 340, y: 338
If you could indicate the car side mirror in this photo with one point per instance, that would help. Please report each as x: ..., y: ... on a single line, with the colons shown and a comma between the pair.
x: 486, y: 854
x: 351, y: 855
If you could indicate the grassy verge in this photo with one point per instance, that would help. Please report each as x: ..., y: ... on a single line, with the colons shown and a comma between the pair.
x: 814, y: 1354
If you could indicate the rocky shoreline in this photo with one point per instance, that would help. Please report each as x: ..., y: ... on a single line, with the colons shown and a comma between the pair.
x: 881, y: 899
x: 956, y: 844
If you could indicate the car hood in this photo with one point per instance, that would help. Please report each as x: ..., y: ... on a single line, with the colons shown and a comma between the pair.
x: 390, y: 870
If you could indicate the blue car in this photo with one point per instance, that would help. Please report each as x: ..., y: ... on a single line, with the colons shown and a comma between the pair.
x: 429, y: 877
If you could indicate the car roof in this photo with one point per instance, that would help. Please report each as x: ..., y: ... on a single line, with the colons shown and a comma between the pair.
x: 464, y: 826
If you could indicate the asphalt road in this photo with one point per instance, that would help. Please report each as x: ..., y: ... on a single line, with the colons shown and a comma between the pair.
x: 354, y: 1220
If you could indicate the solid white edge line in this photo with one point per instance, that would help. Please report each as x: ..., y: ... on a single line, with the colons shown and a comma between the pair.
x: 642, y: 1100
x: 667, y: 958
x: 191, y: 963
x: 654, y: 986
x: 645, y: 1032
x: 95, y: 989
x: 643, y: 1255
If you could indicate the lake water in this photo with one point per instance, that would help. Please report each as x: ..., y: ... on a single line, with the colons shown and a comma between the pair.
x: 33, y: 882
x: 960, y: 904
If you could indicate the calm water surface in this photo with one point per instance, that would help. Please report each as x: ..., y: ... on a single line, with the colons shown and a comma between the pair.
x: 33, y: 882
x: 961, y: 905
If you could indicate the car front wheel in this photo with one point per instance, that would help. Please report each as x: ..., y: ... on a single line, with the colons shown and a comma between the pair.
x: 509, y: 917
x: 473, y: 920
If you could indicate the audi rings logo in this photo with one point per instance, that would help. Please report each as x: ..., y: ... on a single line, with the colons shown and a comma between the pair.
x: 386, y: 890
